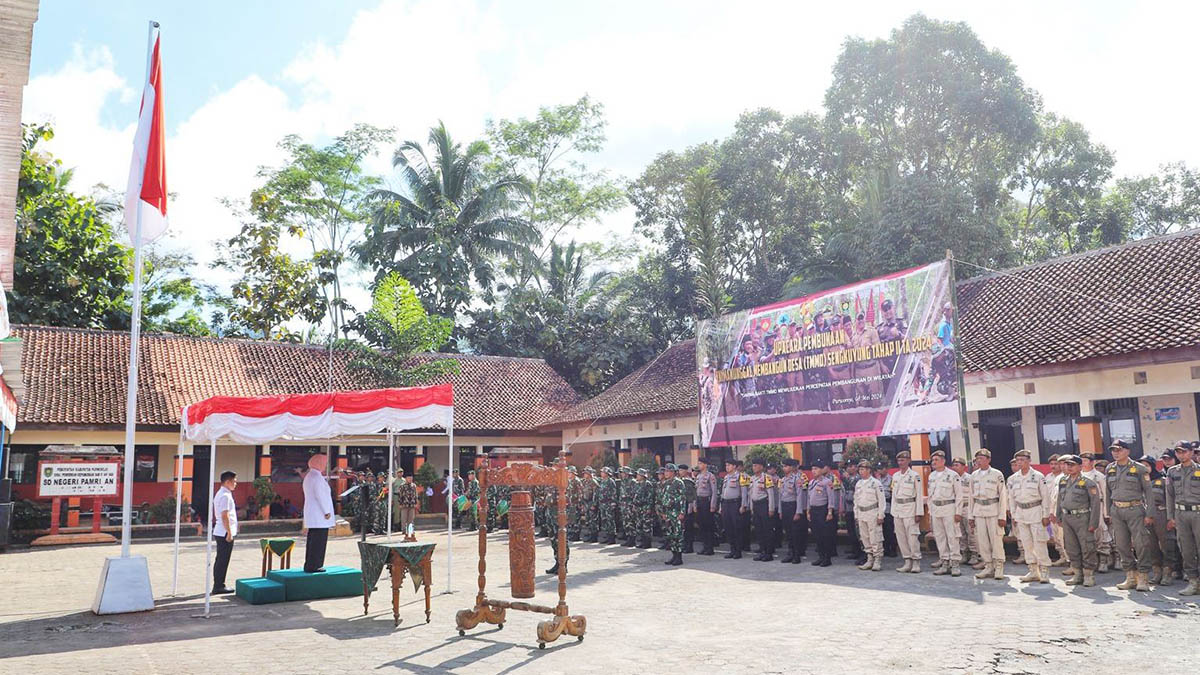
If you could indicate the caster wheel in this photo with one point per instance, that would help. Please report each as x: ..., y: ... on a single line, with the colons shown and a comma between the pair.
x: 462, y: 632
x: 541, y: 645
x: 499, y: 626
x: 426, y: 620
x: 579, y: 639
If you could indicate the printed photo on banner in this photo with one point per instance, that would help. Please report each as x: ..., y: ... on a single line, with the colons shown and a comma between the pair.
x: 873, y: 358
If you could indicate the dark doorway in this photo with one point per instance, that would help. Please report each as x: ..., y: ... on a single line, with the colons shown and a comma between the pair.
x: 999, y: 431
x: 200, y: 485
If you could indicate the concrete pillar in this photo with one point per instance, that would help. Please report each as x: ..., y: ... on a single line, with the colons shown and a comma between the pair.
x: 624, y: 454
x: 479, y: 456
x: 694, y: 456
x: 795, y: 451
x: 419, y: 459
x: 1091, y: 441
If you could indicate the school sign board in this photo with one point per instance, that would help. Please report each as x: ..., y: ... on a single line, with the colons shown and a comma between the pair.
x: 78, y: 479
x: 877, y: 357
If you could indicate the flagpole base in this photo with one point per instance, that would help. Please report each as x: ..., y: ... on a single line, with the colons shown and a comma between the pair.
x: 124, y: 586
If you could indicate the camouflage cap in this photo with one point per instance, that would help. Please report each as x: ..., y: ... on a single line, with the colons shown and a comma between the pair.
x: 643, y: 473
x: 671, y: 467
x: 606, y: 469
x: 572, y: 469
x: 588, y: 469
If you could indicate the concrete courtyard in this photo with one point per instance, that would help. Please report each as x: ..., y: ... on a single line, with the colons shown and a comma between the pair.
x: 711, y: 615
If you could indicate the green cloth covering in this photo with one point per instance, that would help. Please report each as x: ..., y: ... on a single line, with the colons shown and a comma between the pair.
x: 278, y: 546
x: 375, y: 557
x: 260, y: 591
x: 334, y: 582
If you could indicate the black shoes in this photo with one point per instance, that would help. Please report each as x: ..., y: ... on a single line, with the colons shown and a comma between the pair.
x: 553, y: 570
x: 221, y: 590
x: 825, y: 563
x: 788, y: 559
x: 676, y: 559
x: 707, y: 551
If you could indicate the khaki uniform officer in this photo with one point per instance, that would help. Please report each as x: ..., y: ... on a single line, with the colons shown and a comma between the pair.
x: 1029, y: 502
x: 987, y: 509
x: 1078, y: 511
x: 947, y: 505
x: 1183, y: 512
x: 1052, y: 480
x: 869, y: 500
x: 1128, y: 494
x: 908, y: 505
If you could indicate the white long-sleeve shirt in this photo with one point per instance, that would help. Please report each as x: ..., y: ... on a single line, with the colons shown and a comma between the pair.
x: 317, y: 500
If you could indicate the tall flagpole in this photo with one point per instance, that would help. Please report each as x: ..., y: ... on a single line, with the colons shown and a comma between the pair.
x: 135, y: 333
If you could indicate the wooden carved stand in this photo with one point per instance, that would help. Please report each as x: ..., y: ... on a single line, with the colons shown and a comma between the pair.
x: 521, y: 555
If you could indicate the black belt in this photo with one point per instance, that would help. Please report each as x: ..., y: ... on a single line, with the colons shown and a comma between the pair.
x: 1076, y: 512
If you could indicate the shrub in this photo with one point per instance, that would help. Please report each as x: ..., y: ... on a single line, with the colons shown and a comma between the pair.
x: 264, y: 492
x: 771, y: 453
x: 605, y: 457
x: 163, y: 511
x: 426, y: 477
x: 30, y: 515
x: 643, y: 460
x: 863, y: 448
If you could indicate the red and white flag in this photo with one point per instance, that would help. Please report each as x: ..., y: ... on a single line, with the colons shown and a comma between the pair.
x: 146, y: 195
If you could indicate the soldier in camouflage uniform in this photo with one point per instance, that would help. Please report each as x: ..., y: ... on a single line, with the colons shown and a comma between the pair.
x: 689, y: 518
x: 673, y: 505
x: 493, y: 500
x: 551, y: 501
x: 643, y: 505
x: 574, y: 496
x: 606, y: 505
x: 379, y: 524
x: 457, y: 488
x: 588, y: 512
x: 660, y: 485
x: 471, y: 515
x: 351, y: 502
x: 627, y: 527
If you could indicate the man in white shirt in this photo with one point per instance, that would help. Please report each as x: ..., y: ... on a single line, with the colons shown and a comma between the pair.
x: 318, y: 513
x: 224, y: 530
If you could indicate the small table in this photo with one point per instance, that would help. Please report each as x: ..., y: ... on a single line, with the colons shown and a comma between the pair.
x: 281, y: 547
x: 400, y: 557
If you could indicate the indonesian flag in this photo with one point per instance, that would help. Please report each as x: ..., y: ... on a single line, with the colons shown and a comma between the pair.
x: 146, y: 195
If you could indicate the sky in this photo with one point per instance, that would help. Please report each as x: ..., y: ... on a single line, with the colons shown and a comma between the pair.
x: 238, y: 76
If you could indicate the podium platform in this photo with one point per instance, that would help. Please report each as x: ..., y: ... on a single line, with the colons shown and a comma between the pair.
x: 335, y: 582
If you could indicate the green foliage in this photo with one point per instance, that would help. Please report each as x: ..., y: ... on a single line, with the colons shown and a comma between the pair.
x: 643, y: 460
x: 398, y: 328
x: 69, y: 269
x: 605, y: 457
x: 863, y: 448
x: 426, y: 476
x: 1163, y: 203
x: 450, y: 226
x: 563, y: 194
x: 771, y: 453
x: 272, y: 289
x: 163, y: 510
x: 30, y: 515
x: 702, y: 202
x: 322, y: 193
x: 264, y: 492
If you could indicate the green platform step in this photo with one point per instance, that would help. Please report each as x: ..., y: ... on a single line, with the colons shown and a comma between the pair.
x: 260, y: 591
x: 334, y: 582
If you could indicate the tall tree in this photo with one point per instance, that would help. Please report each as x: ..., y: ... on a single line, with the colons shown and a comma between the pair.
x: 449, y: 225
x: 1061, y: 178
x: 1164, y: 202
x: 703, y: 200
x: 547, y: 151
x: 172, y: 301
x: 69, y: 268
x: 321, y: 192
x: 272, y: 288
x: 399, y: 330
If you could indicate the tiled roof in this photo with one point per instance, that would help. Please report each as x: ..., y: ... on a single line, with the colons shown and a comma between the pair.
x: 1142, y: 296
x: 78, y: 377
x: 668, y: 383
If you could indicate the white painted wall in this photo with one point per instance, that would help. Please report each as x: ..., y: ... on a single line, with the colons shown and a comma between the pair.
x: 1160, y: 435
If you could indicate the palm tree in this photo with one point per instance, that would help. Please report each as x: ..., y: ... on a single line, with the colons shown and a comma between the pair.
x: 447, y: 227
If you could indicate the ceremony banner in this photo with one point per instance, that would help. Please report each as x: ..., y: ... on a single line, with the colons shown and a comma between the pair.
x: 868, y: 359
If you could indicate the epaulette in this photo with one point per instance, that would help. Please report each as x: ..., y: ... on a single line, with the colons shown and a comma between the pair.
x: 769, y: 482
x: 743, y: 480
x: 837, y: 482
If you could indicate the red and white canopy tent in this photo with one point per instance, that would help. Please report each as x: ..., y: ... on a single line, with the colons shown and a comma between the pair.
x: 257, y: 420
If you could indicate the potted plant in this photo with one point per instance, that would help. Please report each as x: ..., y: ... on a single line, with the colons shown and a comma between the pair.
x: 265, y: 494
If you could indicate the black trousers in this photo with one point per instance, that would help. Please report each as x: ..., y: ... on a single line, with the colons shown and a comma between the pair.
x: 314, y: 548
x: 704, y: 520
x: 787, y: 511
x: 890, y: 547
x: 689, y: 522
x: 824, y: 531
x: 221, y: 566
x: 763, y: 526
x: 733, y: 524
x: 744, y: 521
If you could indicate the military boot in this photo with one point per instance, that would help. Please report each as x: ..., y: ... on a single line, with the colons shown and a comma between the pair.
x: 867, y: 565
x: 1103, y: 564
x: 998, y: 571
x: 677, y: 559
x: 877, y: 564
x: 1193, y: 587
x: 553, y: 570
x: 1071, y: 571
x: 984, y: 573
x: 1031, y: 575
x: 1130, y: 582
x: 916, y: 567
x: 1156, y: 575
x: 1020, y: 559
x: 906, y: 567
x: 1143, y: 581
x: 941, y: 568
x: 1089, y: 578
x: 1043, y: 575
x: 1060, y: 562
x: 1076, y: 580
x: 954, y: 570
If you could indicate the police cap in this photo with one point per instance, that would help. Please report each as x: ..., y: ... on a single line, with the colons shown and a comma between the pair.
x: 1070, y: 459
x: 1118, y: 445
x: 790, y: 462
x: 983, y: 452
x: 1023, y: 453
x: 819, y: 463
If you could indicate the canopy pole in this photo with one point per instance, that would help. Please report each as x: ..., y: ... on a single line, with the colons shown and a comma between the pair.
x: 388, y: 486
x: 212, y: 478
x: 178, y: 503
x: 450, y: 455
